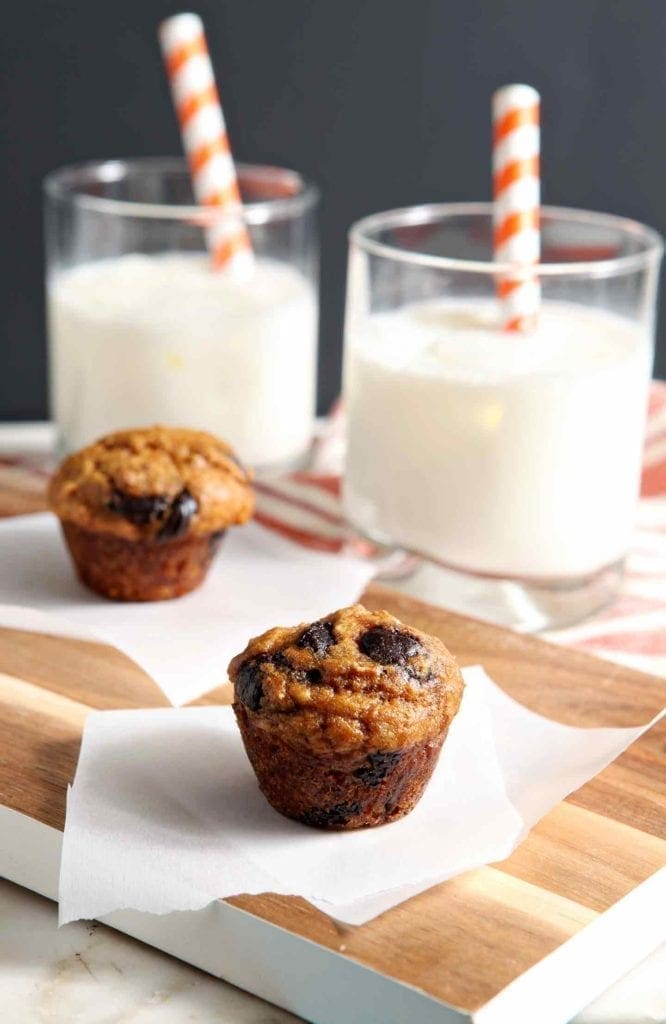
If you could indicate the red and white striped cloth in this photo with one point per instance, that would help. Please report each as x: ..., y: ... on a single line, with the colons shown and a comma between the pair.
x: 305, y: 507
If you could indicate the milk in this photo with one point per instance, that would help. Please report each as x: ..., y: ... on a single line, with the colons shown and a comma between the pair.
x: 496, y: 453
x: 162, y: 339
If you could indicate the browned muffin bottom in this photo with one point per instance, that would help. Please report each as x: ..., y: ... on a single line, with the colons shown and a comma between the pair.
x: 343, y: 720
x: 136, y: 570
x: 143, y: 511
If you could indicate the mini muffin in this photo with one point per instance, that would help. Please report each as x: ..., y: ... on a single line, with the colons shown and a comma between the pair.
x: 343, y: 720
x: 143, y: 511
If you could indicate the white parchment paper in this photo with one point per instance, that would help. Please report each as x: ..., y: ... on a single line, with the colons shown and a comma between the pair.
x: 257, y: 581
x: 165, y: 813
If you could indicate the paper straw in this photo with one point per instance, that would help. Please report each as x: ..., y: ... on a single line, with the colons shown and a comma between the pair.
x: 516, y: 198
x: 205, y: 139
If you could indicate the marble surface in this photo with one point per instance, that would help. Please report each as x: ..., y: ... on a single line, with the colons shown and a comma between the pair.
x: 86, y: 973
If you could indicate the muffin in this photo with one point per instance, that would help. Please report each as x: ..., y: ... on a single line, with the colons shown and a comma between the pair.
x: 343, y: 720
x: 143, y: 511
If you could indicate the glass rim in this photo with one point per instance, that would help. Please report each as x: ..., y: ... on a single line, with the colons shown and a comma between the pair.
x: 410, y: 216
x: 66, y: 184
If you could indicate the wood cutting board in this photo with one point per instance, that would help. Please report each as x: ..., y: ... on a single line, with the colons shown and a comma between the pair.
x: 463, y: 941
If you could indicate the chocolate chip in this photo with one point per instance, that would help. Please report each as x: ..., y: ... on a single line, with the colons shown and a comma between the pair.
x: 330, y: 817
x: 317, y: 638
x: 249, y: 688
x: 313, y: 676
x: 378, y: 766
x: 183, y: 507
x: 155, y: 508
x: 149, y: 508
x: 388, y: 646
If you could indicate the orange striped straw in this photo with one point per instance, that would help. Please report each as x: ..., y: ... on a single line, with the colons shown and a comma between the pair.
x: 205, y: 139
x: 516, y: 198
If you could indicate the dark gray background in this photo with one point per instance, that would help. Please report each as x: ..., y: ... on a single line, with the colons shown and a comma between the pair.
x: 381, y: 102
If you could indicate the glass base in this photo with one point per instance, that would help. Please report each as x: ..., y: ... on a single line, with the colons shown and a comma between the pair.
x: 525, y: 605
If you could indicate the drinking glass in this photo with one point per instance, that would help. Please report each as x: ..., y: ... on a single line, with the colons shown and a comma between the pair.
x: 142, y: 330
x: 510, y: 461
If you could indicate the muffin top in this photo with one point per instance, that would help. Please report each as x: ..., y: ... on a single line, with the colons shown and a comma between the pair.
x: 353, y: 681
x: 157, y: 483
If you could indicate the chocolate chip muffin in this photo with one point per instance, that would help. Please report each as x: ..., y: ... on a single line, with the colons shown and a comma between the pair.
x: 343, y: 720
x: 143, y: 511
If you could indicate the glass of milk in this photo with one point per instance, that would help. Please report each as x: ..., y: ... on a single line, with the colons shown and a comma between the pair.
x: 143, y: 331
x: 510, y: 462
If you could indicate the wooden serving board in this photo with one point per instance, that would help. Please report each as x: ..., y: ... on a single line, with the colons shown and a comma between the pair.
x: 461, y: 942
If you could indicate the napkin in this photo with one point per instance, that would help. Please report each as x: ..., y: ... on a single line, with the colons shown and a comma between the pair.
x: 165, y: 813
x: 257, y: 581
